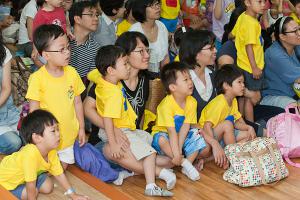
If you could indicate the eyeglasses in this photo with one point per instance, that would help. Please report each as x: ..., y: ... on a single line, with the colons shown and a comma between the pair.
x: 154, y: 5
x: 296, y: 31
x: 143, y: 51
x: 212, y: 47
x: 91, y: 14
x: 62, y: 50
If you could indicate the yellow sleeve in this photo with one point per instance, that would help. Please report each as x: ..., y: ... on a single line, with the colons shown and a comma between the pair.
x: 211, y: 113
x: 235, y: 110
x: 33, y: 91
x: 56, y: 168
x: 78, y: 86
x: 191, y: 111
x: 112, y: 103
x: 30, y: 165
x: 165, y: 116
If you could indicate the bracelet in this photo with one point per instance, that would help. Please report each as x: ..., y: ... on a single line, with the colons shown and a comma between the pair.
x: 69, y: 191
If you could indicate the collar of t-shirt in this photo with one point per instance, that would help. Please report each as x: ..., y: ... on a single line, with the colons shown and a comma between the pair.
x: 108, y: 21
x: 85, y: 44
x: 204, y: 91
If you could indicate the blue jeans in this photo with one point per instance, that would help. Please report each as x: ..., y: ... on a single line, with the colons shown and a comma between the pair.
x: 10, y: 142
x: 279, y: 101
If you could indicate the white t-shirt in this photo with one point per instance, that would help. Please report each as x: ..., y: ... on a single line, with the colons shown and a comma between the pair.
x: 159, y: 48
x: 218, y: 25
x: 29, y: 10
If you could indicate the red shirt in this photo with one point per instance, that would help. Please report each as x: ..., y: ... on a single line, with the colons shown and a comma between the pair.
x: 57, y: 16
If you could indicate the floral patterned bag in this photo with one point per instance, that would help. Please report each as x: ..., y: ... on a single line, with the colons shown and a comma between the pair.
x: 254, y: 163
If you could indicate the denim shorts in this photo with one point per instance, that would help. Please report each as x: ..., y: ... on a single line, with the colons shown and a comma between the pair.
x: 17, y: 192
x: 171, y: 24
x: 253, y: 84
x: 193, y: 142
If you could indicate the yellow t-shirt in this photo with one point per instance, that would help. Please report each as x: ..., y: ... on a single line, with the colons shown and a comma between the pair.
x: 111, y: 102
x: 25, y: 165
x: 217, y: 110
x: 295, y: 17
x: 247, y: 30
x: 123, y: 27
x: 56, y: 94
x: 176, y: 59
x: 170, y: 9
x: 170, y: 114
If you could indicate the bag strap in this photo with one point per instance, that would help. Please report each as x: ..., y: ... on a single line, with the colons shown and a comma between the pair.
x: 258, y: 165
x: 288, y: 160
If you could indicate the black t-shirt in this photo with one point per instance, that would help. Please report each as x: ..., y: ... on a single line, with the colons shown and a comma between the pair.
x: 138, y: 97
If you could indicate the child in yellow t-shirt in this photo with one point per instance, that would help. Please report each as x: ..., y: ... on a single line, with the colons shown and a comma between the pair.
x: 24, y: 173
x: 169, y: 14
x: 128, y: 19
x: 173, y: 134
x: 220, y: 118
x: 250, y: 54
x: 296, y: 14
x: 56, y: 87
x: 112, y: 104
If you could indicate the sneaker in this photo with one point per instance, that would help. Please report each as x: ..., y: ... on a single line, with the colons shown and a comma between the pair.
x: 157, y: 191
x: 192, y: 173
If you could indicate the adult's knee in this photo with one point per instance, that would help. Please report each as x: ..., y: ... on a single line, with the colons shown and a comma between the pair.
x: 11, y: 143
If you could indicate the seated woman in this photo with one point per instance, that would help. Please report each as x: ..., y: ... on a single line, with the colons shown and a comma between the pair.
x: 9, y: 114
x: 282, y: 64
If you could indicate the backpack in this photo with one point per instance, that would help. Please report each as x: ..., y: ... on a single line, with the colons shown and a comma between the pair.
x: 254, y: 163
x: 285, y: 129
x: 89, y: 159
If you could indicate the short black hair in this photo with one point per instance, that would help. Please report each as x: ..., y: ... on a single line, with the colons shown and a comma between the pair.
x: 139, y: 9
x: 40, y: 3
x: 78, y: 8
x: 44, y: 34
x: 128, y: 41
x: 107, y: 57
x: 295, y: 2
x: 179, y: 33
x: 36, y: 122
x: 192, y: 43
x: 168, y: 73
x: 226, y: 74
x: 129, y: 4
x: 107, y: 6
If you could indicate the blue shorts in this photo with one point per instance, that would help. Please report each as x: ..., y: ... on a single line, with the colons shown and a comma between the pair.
x: 171, y: 24
x: 193, y: 142
x: 39, y: 182
x: 221, y: 142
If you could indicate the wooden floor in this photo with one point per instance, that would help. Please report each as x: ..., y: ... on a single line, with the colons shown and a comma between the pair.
x: 211, y: 186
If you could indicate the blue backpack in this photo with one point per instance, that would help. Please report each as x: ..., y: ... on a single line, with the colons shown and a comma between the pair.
x: 89, y: 159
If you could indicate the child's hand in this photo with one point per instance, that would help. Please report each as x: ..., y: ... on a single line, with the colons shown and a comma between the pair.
x: 81, y: 137
x: 116, y: 151
x: 219, y: 154
x: 177, y: 160
x: 79, y: 197
x: 256, y: 73
x: 251, y: 132
x: 122, y: 139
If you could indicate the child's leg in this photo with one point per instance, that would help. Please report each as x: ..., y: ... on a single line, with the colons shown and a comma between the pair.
x: 224, y: 131
x: 241, y: 104
x: 66, y: 156
x: 149, y: 168
x: 251, y: 99
x: 164, y: 162
x: 202, y: 155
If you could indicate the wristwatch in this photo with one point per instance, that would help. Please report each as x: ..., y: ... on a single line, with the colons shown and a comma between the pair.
x: 69, y: 191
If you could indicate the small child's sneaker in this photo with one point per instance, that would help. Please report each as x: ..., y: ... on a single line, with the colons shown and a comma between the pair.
x: 168, y: 176
x: 157, y: 191
x: 189, y: 170
x: 122, y: 175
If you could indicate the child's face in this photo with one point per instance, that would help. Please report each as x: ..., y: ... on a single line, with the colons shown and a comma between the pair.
x: 256, y: 6
x: 238, y: 86
x: 139, y: 57
x: 122, y: 69
x: 51, y: 137
x: 58, y: 52
x: 67, y: 4
x: 184, y: 84
x: 55, y: 3
x: 89, y: 19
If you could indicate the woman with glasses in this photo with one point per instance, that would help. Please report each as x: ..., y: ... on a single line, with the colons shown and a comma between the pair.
x: 282, y: 64
x: 147, y: 13
x: 137, y: 86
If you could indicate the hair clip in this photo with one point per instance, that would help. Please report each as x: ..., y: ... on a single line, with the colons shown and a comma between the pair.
x: 183, y: 29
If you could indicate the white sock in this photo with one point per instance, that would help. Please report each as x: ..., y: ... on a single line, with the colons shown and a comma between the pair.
x: 189, y: 170
x: 122, y: 175
x: 150, y: 186
x: 169, y: 177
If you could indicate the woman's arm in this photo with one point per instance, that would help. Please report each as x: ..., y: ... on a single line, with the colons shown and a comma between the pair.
x: 6, y: 83
x: 29, y: 25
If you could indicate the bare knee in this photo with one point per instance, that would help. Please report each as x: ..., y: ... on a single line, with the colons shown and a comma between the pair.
x: 206, y: 152
x: 162, y: 141
x: 47, y: 186
x: 228, y: 126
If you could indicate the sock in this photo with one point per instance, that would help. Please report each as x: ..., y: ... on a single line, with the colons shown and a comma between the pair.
x: 122, y: 175
x: 169, y: 177
x: 150, y: 186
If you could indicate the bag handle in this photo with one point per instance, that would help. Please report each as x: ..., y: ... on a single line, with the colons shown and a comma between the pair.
x: 288, y: 160
x: 292, y: 105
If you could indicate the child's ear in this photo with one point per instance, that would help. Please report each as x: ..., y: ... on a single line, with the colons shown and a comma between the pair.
x: 110, y: 70
x: 36, y: 138
x: 247, y: 3
x: 225, y: 86
x: 172, y: 87
x: 45, y: 55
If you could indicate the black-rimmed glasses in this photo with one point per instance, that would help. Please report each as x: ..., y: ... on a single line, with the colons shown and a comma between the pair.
x: 63, y: 50
x: 296, y: 31
x: 91, y: 14
x: 212, y: 47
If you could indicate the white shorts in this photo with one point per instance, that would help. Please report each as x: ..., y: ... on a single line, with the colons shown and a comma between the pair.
x: 67, y: 155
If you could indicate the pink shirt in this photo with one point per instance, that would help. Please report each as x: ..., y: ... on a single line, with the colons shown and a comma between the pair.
x: 57, y: 16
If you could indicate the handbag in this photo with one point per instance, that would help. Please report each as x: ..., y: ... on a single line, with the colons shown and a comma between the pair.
x: 254, y: 163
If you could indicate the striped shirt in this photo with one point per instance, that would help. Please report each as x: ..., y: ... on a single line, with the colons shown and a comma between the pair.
x: 83, y: 56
